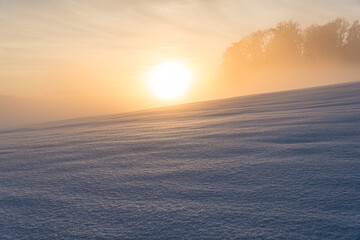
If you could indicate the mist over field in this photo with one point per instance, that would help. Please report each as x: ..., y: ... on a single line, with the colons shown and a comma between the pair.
x: 286, y: 55
x: 18, y: 112
x: 180, y: 119
x: 290, y: 56
x: 272, y: 166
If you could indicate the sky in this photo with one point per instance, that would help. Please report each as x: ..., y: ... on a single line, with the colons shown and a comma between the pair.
x: 99, y: 52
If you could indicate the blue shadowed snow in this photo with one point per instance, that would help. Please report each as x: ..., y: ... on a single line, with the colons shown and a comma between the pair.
x: 273, y: 166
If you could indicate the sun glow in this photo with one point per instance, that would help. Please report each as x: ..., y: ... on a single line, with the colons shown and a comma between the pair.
x: 169, y: 81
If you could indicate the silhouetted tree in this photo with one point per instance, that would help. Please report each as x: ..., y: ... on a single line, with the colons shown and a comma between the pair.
x: 353, y: 42
x: 286, y: 42
x: 250, y: 50
x: 326, y: 41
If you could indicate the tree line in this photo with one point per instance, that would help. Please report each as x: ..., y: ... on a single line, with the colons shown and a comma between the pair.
x: 287, y: 43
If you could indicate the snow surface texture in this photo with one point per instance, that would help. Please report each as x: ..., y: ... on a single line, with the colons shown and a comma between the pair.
x: 272, y: 166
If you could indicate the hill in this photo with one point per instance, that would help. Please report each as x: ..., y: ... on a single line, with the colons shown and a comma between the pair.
x: 283, y: 165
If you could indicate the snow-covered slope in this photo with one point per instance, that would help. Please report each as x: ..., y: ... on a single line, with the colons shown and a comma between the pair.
x: 272, y: 166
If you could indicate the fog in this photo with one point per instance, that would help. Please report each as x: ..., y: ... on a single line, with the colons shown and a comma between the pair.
x: 289, y: 56
x: 19, y: 111
x: 292, y: 77
x: 286, y: 56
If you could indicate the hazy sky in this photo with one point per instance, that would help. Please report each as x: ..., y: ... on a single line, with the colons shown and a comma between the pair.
x: 106, y: 47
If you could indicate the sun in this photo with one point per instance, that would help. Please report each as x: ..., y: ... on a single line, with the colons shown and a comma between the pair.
x: 169, y: 80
